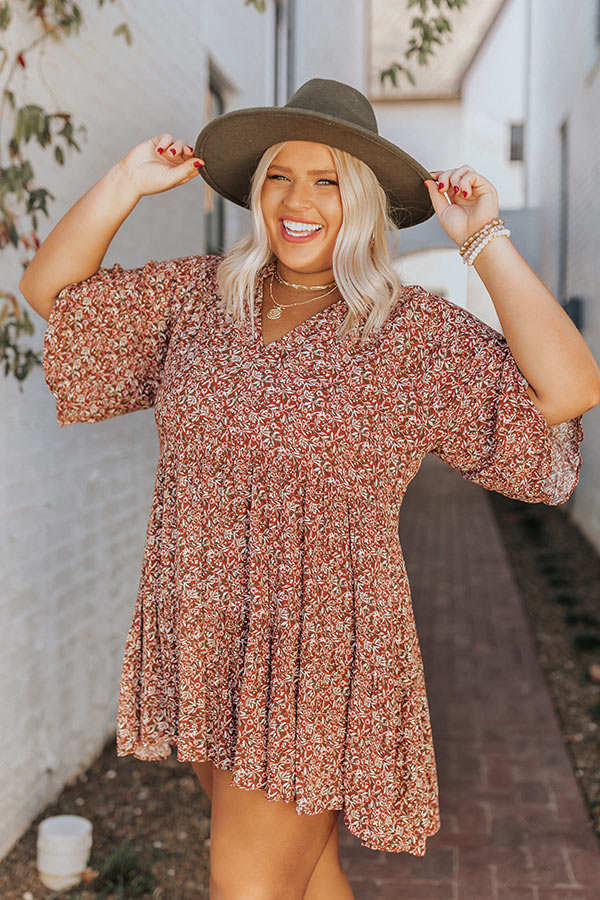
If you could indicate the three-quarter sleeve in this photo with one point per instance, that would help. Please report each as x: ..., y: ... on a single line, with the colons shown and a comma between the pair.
x: 487, y: 426
x: 107, y: 338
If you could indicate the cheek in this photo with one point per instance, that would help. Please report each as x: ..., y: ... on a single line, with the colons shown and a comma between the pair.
x: 266, y: 202
x: 335, y: 213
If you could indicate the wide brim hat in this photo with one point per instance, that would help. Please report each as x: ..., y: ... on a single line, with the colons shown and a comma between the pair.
x: 326, y: 112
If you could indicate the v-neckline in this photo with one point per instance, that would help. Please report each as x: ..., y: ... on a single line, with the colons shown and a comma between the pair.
x: 268, y: 269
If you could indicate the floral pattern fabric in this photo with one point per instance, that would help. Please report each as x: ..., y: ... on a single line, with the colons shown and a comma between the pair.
x: 273, y: 631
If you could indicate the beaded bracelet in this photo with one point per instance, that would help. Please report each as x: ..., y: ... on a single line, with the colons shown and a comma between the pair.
x: 478, y: 246
x: 483, y: 230
x: 473, y: 245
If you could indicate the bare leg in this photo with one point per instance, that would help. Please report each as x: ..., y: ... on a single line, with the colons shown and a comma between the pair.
x: 327, y: 880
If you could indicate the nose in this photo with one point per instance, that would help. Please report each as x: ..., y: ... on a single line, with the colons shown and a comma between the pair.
x: 297, y: 196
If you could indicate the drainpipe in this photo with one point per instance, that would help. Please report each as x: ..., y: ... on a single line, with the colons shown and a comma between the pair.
x: 527, y: 104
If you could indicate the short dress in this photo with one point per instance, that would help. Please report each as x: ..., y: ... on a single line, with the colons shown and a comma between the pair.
x: 273, y: 631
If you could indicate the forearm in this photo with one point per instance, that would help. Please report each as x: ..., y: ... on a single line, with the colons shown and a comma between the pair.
x: 548, y: 349
x: 76, y: 246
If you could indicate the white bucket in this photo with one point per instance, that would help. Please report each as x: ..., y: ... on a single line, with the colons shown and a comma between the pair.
x: 63, y: 849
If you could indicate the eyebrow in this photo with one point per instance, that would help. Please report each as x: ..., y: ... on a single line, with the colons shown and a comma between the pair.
x: 311, y: 171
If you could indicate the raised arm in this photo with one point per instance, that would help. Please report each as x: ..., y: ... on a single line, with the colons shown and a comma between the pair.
x: 76, y: 246
x: 563, y: 376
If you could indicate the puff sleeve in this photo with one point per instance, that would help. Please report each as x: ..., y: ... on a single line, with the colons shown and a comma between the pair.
x: 107, y: 337
x: 486, y: 425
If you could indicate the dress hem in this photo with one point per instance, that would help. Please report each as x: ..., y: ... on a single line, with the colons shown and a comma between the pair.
x: 415, y: 845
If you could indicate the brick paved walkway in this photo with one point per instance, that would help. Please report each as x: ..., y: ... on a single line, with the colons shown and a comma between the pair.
x: 514, y: 824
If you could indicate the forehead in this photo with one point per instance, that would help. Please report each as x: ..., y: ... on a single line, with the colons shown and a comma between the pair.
x: 305, y: 154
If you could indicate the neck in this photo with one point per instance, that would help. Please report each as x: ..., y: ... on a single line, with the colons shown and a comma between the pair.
x: 318, y: 276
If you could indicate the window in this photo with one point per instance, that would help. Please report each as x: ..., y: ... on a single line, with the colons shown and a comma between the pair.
x: 214, y: 204
x: 284, y: 46
x: 517, y: 133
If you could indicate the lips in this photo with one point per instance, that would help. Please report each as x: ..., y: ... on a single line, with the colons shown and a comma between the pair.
x: 301, y: 238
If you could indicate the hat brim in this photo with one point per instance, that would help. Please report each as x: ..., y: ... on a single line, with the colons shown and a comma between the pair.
x: 232, y: 144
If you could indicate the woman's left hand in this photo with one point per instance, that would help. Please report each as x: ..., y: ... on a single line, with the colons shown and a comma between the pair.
x: 473, y: 201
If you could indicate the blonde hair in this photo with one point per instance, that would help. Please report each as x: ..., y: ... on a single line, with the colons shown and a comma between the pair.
x: 362, y: 262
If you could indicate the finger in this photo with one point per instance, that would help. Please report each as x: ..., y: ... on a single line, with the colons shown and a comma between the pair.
x: 443, y: 180
x: 162, y: 142
x: 466, y: 184
x: 438, y: 200
x: 174, y: 151
x: 459, y: 182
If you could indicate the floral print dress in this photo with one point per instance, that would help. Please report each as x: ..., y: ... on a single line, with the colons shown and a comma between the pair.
x: 273, y: 631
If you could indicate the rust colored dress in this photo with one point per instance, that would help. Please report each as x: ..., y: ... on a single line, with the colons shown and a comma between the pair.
x: 273, y: 631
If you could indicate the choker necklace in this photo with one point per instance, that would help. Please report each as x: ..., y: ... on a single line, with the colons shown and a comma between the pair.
x: 278, y: 308
x: 306, y: 287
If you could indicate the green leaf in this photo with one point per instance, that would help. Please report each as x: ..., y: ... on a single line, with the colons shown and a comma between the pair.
x: 123, y: 29
x: 5, y: 16
x: 59, y: 155
x: 17, y: 136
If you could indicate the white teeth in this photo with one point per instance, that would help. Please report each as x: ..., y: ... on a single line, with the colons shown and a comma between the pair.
x: 299, y: 226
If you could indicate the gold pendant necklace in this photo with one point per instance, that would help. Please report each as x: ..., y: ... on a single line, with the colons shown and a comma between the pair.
x: 276, y: 312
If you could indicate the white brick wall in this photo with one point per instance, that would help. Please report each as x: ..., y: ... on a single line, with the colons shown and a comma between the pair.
x: 77, y: 499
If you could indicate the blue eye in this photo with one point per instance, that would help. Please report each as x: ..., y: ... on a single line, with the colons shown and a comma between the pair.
x: 327, y: 180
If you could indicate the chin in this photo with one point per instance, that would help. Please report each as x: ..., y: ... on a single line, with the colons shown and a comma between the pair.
x: 302, y: 262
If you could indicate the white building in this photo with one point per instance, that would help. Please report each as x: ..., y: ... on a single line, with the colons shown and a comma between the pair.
x: 563, y: 159
x: 76, y: 500
x: 458, y: 112
x: 514, y: 92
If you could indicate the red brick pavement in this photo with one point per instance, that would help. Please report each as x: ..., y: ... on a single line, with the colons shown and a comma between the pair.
x: 514, y: 824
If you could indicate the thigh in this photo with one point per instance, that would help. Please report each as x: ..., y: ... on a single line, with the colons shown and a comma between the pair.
x: 262, y: 848
x: 204, y: 772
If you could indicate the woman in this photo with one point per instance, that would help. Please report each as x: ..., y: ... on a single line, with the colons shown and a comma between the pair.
x: 297, y: 386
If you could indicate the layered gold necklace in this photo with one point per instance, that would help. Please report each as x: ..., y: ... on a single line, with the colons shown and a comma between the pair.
x: 278, y: 308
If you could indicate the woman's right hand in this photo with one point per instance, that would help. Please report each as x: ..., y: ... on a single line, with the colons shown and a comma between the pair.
x: 151, y: 172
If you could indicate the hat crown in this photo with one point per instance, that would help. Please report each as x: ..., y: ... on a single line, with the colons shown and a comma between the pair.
x: 334, y: 98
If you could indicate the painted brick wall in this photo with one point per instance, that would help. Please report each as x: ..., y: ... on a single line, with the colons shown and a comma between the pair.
x: 76, y: 500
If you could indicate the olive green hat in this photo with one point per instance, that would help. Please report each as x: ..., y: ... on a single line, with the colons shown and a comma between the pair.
x: 326, y: 112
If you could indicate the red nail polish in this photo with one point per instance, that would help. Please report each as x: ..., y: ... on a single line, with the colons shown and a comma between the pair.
x: 464, y: 193
x: 160, y: 149
x: 173, y: 151
x: 198, y: 163
x: 441, y: 186
x: 191, y: 149
x: 456, y: 188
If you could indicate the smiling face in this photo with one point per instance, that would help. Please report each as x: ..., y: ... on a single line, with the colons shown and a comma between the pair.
x: 302, y: 208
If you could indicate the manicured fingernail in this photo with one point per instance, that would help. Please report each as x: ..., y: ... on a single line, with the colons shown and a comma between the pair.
x: 441, y: 186
x: 456, y: 188
x: 198, y: 163
x: 464, y: 193
x: 191, y: 149
x: 173, y: 151
x: 160, y: 149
